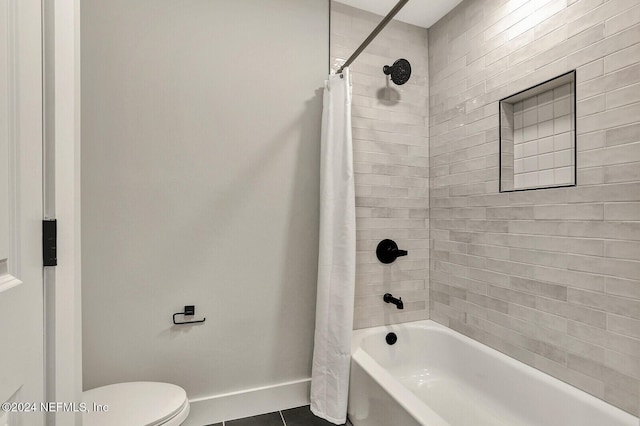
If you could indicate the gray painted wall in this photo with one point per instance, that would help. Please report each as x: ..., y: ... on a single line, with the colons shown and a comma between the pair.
x: 200, y: 180
x: 550, y: 277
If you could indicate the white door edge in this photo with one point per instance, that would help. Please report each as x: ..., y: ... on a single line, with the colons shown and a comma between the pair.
x: 62, y: 201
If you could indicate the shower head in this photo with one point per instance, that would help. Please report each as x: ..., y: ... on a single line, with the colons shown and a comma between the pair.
x: 400, y: 71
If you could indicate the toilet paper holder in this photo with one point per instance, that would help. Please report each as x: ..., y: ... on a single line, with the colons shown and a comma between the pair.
x: 189, y: 310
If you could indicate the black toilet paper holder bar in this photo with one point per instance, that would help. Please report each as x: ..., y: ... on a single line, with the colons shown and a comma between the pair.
x: 189, y: 310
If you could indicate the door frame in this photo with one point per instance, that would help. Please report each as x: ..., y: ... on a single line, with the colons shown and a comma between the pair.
x: 63, y: 314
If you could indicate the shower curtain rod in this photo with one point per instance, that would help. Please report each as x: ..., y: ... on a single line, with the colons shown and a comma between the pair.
x: 373, y: 34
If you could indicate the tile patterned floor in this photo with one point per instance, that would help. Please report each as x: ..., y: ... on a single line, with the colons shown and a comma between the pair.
x: 300, y: 416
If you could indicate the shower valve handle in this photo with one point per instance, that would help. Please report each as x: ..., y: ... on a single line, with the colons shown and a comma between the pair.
x: 388, y: 251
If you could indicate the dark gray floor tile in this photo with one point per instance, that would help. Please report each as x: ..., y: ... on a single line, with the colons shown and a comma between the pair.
x: 302, y: 416
x: 271, y: 419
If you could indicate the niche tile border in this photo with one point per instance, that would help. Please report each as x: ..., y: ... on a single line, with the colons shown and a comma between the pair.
x: 506, y: 106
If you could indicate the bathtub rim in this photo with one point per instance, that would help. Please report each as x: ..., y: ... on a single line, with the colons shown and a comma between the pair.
x: 397, y: 389
x: 416, y: 408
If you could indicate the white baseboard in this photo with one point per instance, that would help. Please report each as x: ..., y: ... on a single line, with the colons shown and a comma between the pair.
x: 249, y: 402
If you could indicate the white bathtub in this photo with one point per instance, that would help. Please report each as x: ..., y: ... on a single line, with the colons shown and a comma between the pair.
x: 435, y: 376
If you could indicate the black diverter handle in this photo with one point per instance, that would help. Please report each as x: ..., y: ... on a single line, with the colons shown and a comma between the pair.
x: 388, y: 251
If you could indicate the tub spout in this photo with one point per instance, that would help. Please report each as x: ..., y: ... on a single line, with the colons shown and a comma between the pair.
x: 388, y: 298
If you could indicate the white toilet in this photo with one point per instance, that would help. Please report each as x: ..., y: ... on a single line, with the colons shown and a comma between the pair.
x: 136, y: 404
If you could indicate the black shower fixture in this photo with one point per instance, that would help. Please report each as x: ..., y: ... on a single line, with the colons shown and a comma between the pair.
x: 388, y: 298
x: 387, y: 251
x: 400, y: 71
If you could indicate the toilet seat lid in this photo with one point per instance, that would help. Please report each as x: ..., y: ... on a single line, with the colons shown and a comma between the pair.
x: 135, y: 404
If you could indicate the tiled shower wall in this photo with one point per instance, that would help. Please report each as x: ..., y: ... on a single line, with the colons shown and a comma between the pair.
x: 543, y: 135
x: 550, y: 277
x: 391, y: 160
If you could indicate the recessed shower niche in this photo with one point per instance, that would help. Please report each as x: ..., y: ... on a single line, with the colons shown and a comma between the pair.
x: 538, y: 136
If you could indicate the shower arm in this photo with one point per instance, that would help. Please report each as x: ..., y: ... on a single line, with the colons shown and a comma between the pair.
x: 373, y: 34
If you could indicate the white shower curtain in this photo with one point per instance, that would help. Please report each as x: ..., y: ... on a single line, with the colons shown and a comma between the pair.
x: 337, y: 256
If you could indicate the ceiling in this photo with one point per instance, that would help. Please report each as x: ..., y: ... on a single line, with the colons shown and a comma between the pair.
x: 423, y: 13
